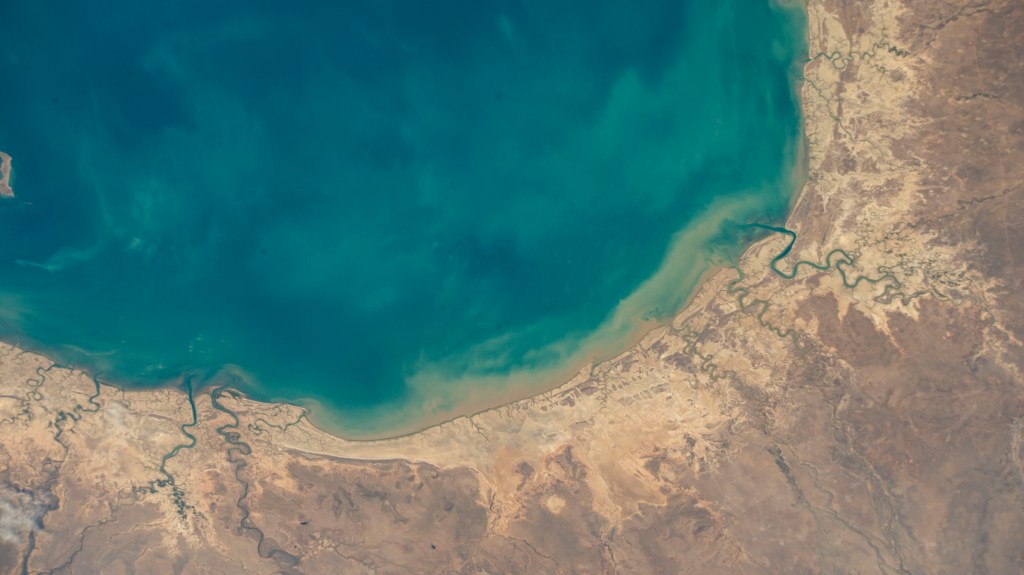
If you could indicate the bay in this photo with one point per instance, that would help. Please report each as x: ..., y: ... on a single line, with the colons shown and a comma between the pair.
x: 397, y: 210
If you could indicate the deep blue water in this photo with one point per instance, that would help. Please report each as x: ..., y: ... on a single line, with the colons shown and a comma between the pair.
x: 338, y: 197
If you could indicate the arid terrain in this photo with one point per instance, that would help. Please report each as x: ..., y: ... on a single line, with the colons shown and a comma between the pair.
x: 855, y: 407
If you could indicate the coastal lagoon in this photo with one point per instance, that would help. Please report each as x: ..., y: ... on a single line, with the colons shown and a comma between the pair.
x: 397, y: 210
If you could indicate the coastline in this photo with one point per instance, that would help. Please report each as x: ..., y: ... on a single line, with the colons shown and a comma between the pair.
x: 789, y: 421
x: 618, y: 335
x: 682, y: 271
x: 494, y: 396
x: 489, y: 396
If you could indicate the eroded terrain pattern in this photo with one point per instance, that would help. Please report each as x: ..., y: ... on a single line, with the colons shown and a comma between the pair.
x: 855, y: 407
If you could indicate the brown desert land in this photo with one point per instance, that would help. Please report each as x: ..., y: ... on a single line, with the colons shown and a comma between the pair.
x: 857, y: 409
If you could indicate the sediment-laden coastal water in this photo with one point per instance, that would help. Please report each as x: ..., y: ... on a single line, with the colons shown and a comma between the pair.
x: 394, y: 209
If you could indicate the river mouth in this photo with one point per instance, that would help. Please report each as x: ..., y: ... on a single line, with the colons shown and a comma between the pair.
x: 394, y: 213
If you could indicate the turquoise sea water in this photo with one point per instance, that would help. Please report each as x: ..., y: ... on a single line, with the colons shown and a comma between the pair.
x: 388, y: 206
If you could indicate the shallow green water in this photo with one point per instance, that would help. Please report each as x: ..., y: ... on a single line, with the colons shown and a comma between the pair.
x: 391, y: 207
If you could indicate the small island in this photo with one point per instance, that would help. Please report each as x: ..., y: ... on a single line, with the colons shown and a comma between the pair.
x: 5, y: 176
